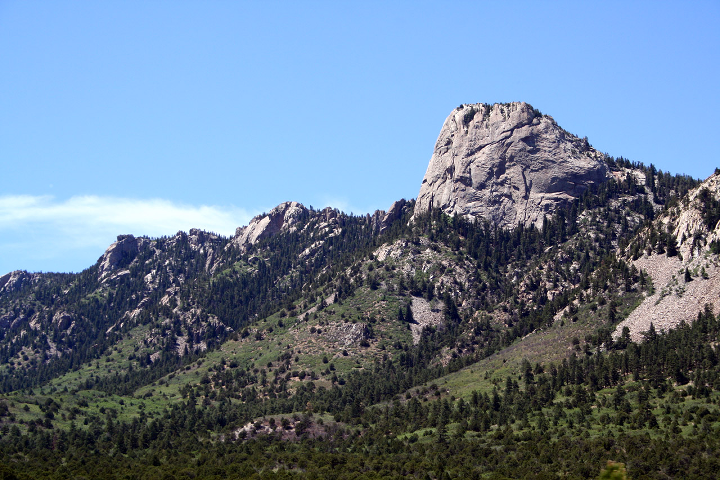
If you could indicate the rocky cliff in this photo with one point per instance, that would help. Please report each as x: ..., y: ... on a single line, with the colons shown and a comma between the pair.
x: 687, y: 277
x: 14, y: 281
x: 281, y: 218
x: 507, y: 163
x: 120, y: 254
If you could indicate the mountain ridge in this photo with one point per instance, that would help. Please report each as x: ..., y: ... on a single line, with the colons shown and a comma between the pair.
x: 413, y: 330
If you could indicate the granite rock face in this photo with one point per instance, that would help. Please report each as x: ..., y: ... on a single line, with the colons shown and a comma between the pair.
x: 14, y: 281
x: 676, y: 299
x: 689, y: 222
x: 392, y: 215
x: 507, y: 163
x: 281, y: 218
x: 120, y: 254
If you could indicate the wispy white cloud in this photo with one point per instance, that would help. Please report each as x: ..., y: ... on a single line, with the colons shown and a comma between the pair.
x: 150, y: 217
x: 43, y: 228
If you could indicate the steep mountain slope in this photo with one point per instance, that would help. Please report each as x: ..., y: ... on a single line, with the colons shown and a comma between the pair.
x: 679, y: 251
x: 190, y: 290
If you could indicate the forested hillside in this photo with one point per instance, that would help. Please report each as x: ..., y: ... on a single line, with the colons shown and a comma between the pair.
x: 409, y: 344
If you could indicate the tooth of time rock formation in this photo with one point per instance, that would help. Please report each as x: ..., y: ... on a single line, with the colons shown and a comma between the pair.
x: 507, y: 163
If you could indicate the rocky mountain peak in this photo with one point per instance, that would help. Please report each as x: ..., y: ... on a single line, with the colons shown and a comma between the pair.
x: 120, y: 254
x: 395, y: 212
x: 507, y: 163
x: 14, y: 281
x: 282, y: 218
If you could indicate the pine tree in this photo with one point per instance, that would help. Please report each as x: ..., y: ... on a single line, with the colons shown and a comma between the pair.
x: 613, y: 471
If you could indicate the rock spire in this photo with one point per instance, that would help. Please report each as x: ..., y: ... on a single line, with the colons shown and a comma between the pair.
x: 507, y: 163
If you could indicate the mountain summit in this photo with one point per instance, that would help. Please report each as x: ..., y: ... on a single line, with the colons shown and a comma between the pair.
x: 507, y: 163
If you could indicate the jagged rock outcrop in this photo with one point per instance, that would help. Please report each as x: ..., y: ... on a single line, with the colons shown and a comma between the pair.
x: 120, y: 254
x: 282, y: 218
x: 202, y: 242
x: 507, y: 163
x: 395, y: 212
x: 329, y: 214
x: 375, y: 220
x: 63, y: 320
x: 690, y: 229
x: 347, y: 334
x: 677, y: 298
x: 14, y: 281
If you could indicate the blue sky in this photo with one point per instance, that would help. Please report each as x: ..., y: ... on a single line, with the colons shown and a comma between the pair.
x: 152, y: 117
